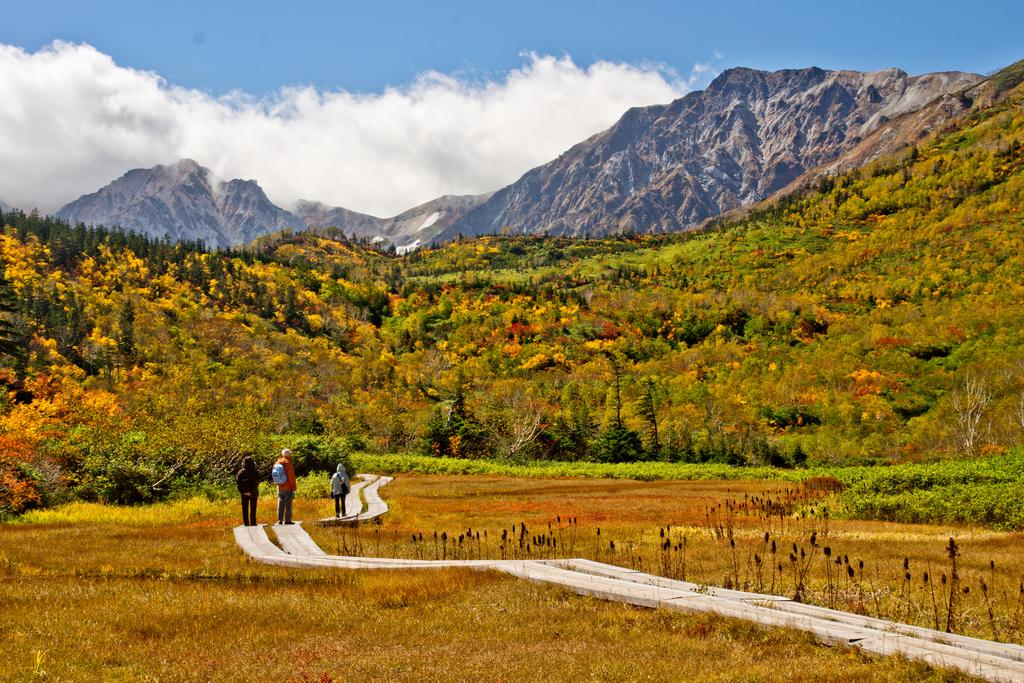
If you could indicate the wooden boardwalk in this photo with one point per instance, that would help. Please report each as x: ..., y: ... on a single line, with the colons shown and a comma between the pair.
x: 354, y: 513
x: 985, y: 659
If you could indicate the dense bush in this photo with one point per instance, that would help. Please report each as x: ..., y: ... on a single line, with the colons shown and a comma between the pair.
x: 982, y: 491
x: 642, y: 471
x: 993, y: 505
x: 310, y: 454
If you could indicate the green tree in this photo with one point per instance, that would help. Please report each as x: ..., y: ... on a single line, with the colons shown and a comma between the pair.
x: 647, y: 406
x: 455, y: 432
x: 13, y: 332
x: 617, y: 443
x: 615, y: 362
x: 126, y: 333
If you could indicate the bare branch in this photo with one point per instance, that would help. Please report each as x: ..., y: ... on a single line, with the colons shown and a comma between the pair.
x: 969, y: 404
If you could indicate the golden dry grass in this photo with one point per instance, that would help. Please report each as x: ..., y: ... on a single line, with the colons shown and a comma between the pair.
x: 633, y: 515
x: 147, y: 599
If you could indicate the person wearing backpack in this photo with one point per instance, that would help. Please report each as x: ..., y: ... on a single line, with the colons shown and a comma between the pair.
x: 248, y: 482
x: 339, y: 489
x: 283, y: 474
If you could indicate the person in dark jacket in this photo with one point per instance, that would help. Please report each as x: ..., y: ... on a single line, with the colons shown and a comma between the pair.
x: 248, y: 482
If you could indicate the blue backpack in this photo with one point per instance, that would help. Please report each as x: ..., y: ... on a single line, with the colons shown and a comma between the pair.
x: 278, y: 474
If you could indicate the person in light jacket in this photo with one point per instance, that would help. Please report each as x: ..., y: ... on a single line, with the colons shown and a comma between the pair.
x: 340, y: 487
x: 286, y: 491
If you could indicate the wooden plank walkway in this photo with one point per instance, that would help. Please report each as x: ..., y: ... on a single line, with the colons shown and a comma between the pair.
x: 375, y: 507
x: 985, y: 659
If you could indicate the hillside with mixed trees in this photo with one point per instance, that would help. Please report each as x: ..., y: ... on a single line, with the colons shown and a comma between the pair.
x: 877, y: 317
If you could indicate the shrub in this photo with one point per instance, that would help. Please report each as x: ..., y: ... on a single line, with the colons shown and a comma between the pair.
x: 310, y: 453
x: 619, y: 444
x: 993, y: 505
x: 782, y: 418
x: 19, y: 488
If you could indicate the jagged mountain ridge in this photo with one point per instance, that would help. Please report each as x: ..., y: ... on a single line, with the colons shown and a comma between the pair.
x: 669, y: 167
x: 913, y: 126
x: 182, y: 202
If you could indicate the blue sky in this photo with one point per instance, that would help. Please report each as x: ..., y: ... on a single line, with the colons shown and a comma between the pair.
x: 260, y: 46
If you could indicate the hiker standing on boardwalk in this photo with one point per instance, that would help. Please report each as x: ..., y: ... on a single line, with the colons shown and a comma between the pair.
x: 283, y: 474
x: 339, y: 489
x: 248, y: 482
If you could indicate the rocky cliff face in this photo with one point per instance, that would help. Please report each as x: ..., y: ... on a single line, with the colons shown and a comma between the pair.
x: 669, y: 167
x: 181, y: 202
x: 913, y: 126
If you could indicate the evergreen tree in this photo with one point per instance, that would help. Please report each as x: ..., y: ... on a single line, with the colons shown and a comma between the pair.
x: 291, y: 307
x: 799, y: 456
x: 647, y: 407
x: 455, y: 432
x: 618, y: 443
x: 13, y: 333
x: 617, y: 372
x: 126, y: 332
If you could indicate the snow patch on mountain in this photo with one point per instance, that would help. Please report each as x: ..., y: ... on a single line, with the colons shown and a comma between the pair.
x: 406, y: 248
x: 430, y: 220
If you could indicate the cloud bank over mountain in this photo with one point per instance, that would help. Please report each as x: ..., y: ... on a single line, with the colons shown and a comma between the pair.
x: 72, y: 119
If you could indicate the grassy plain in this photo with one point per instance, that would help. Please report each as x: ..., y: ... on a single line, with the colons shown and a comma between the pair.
x: 93, y: 592
x: 971, y: 491
x: 716, y: 533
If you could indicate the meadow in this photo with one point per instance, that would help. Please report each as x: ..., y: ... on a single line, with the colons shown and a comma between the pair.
x: 756, y: 535
x: 101, y: 592
x: 975, y: 491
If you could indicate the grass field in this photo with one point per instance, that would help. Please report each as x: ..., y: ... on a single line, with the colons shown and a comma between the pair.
x: 971, y: 491
x: 717, y: 533
x: 162, y: 593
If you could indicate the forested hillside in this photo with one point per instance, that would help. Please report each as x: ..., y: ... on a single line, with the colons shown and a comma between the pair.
x: 877, y: 317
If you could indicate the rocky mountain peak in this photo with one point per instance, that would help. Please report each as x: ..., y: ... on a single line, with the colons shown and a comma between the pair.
x: 189, y: 166
x: 179, y: 202
x: 417, y: 226
x: 669, y: 167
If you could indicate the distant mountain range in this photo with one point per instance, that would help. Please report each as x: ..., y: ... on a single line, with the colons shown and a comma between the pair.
x: 181, y: 202
x: 749, y: 135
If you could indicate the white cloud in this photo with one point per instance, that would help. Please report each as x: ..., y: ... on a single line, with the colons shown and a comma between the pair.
x: 71, y: 120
